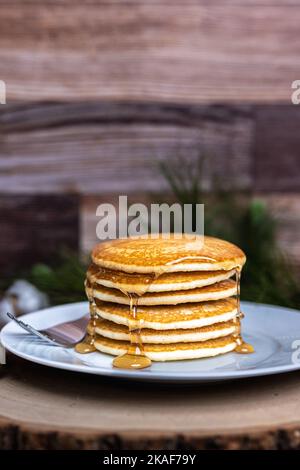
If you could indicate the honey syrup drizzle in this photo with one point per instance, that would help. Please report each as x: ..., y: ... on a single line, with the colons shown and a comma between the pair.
x: 135, y: 357
x: 87, y: 345
x: 241, y: 346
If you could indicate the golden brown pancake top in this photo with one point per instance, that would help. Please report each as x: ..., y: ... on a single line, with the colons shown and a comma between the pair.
x: 160, y: 255
x: 170, y: 313
x: 142, y: 283
x: 219, y: 290
x: 106, y: 325
x: 147, y: 347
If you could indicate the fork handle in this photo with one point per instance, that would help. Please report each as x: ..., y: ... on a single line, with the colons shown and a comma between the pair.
x: 30, y: 328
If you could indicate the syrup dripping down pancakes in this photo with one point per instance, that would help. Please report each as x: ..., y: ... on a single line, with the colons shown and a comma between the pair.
x: 164, y: 299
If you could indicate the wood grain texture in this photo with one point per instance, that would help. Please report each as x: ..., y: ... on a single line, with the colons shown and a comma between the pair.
x: 36, y: 228
x: 98, y: 148
x: 191, y: 52
x: 90, y: 412
x: 285, y: 208
x: 277, y: 148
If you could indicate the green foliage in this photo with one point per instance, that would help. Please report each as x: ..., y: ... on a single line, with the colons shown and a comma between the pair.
x: 267, y: 275
x: 63, y: 282
x: 184, y: 179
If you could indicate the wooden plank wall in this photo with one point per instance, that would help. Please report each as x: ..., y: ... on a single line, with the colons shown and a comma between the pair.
x: 159, y: 50
x: 36, y: 228
x: 98, y: 92
x: 96, y: 148
x: 97, y: 158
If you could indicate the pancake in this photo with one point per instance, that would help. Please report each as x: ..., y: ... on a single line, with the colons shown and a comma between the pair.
x: 139, y: 283
x: 172, y: 297
x: 182, y: 316
x: 112, y: 330
x: 139, y: 255
x: 170, y: 352
x: 217, y: 291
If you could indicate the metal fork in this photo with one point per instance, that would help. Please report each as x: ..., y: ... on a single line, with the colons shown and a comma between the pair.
x: 66, y: 335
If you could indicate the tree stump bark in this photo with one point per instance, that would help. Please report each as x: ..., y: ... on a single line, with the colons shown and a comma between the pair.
x: 44, y: 408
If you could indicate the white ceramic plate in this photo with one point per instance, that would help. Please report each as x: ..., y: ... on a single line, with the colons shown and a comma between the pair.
x: 273, y: 331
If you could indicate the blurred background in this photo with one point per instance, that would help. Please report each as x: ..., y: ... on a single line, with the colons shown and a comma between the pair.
x: 187, y: 101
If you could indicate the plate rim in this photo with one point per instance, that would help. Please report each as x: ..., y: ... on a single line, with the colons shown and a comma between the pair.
x: 147, y: 374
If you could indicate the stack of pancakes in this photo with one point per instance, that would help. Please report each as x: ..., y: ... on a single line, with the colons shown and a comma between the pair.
x: 187, y: 306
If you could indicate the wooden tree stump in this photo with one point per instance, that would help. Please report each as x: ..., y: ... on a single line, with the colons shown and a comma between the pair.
x: 44, y: 408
